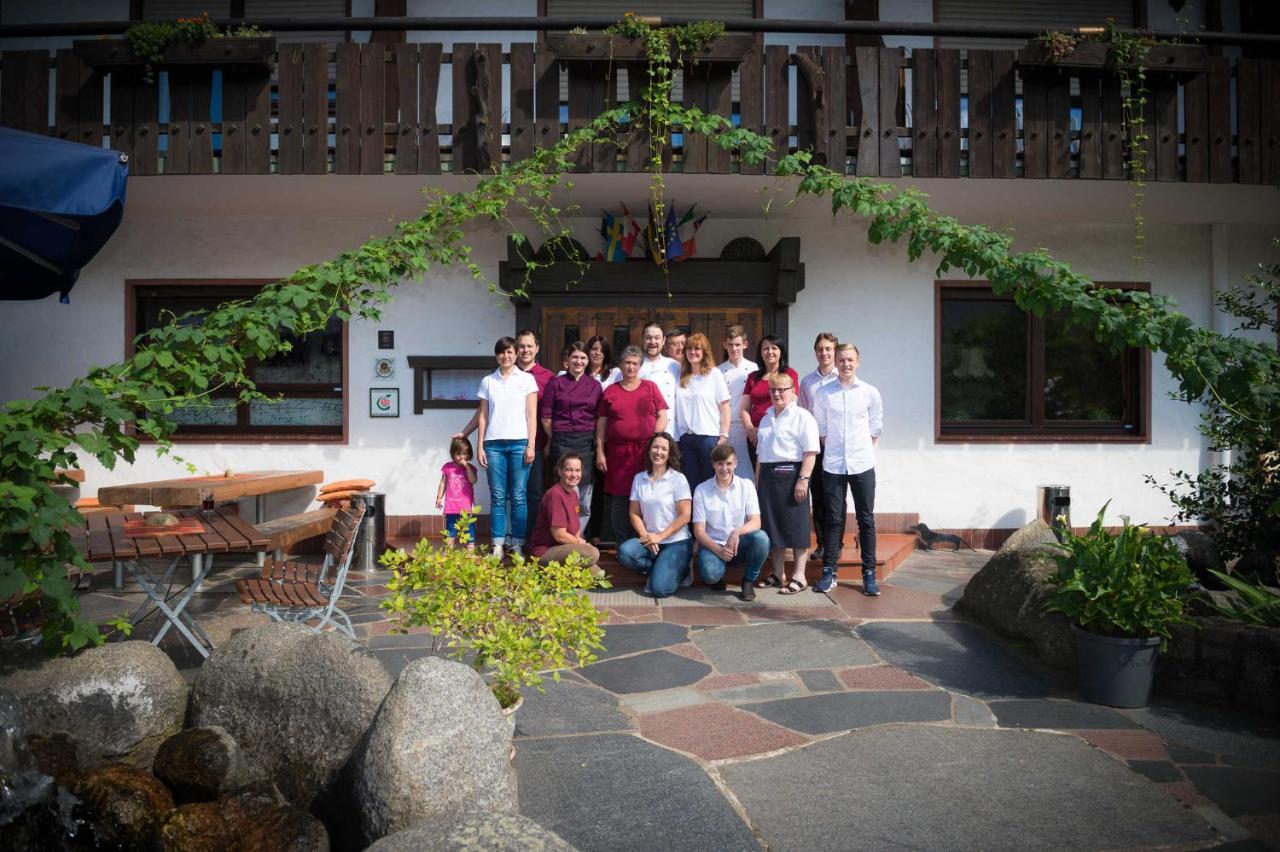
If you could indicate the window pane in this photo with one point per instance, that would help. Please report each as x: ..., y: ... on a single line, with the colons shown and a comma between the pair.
x: 984, y: 359
x: 219, y: 413
x: 1082, y: 379
x: 296, y: 412
x: 315, y: 358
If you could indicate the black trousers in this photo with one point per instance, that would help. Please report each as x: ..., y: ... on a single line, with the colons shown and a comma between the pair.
x: 818, y: 498
x: 534, y: 489
x: 863, y: 486
x: 620, y: 516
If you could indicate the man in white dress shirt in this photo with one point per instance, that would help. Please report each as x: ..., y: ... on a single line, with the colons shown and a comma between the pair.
x: 824, y: 352
x: 850, y: 420
x: 658, y: 368
x: 736, y: 369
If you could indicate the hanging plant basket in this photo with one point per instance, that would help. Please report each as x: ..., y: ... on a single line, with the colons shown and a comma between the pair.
x: 595, y: 48
x: 116, y: 53
x: 1099, y: 55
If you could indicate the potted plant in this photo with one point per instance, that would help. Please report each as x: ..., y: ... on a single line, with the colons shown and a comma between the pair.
x: 1123, y: 593
x: 514, y: 621
x: 186, y: 41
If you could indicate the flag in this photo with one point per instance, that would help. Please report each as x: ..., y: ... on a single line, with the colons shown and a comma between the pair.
x: 671, y: 233
x: 611, y: 231
x: 688, y: 230
x: 632, y: 233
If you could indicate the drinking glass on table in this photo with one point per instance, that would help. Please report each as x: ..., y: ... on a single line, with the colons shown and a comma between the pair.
x: 207, y: 505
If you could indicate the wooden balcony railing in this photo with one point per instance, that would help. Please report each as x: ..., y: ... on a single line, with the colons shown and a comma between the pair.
x: 372, y: 109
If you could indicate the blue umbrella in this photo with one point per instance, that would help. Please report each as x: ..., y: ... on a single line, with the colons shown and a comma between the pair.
x: 59, y: 204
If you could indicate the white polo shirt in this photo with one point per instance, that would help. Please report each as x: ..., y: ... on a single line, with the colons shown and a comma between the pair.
x: 615, y: 375
x: 698, y: 405
x: 658, y: 498
x: 506, y: 399
x: 663, y: 372
x: 723, y: 510
x: 809, y: 386
x: 848, y: 418
x: 736, y: 379
x: 788, y: 436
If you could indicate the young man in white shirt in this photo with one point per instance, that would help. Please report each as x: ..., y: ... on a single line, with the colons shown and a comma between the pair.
x: 736, y: 368
x: 850, y: 421
x: 658, y: 368
x: 726, y: 522
x: 824, y: 352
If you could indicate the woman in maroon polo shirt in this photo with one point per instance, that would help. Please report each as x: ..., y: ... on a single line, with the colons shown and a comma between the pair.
x: 568, y: 414
x: 630, y: 411
x: 557, y: 532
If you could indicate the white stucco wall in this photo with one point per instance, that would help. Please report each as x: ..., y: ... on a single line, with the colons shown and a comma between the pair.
x: 233, y: 227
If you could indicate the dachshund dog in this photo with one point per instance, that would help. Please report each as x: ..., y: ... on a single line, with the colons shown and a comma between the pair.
x: 929, y: 538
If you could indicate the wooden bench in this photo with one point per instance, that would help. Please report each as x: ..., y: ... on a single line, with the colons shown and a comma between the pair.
x: 284, y: 533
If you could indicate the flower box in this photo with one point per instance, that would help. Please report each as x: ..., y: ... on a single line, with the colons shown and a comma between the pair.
x: 1098, y: 55
x: 116, y: 53
x: 595, y: 48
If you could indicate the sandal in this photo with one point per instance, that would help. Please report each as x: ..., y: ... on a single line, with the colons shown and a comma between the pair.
x: 766, y: 582
x: 793, y: 587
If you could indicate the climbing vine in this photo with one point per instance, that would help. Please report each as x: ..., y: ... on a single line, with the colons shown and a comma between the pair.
x: 108, y: 412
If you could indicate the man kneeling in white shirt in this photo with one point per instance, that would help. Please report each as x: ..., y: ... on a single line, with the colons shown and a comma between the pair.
x: 726, y: 522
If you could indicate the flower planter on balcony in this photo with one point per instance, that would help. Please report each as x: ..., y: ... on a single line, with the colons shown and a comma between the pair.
x: 116, y: 53
x: 595, y: 48
x: 1098, y: 55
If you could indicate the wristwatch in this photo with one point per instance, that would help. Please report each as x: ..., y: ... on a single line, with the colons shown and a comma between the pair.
x: 804, y: 479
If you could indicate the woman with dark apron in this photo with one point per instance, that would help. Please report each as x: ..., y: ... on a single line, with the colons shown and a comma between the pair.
x: 568, y: 415
x: 786, y: 450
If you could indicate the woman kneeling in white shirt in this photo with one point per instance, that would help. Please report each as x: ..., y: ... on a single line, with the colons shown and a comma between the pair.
x: 660, y: 509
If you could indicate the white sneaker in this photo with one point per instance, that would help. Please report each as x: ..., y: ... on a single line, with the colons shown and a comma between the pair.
x: 498, y: 551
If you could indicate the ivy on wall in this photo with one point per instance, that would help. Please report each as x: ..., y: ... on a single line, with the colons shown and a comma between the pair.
x: 105, y: 413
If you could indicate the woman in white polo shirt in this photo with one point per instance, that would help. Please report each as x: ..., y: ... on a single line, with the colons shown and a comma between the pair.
x: 702, y: 410
x: 506, y: 429
x: 660, y: 511
x: 786, y: 450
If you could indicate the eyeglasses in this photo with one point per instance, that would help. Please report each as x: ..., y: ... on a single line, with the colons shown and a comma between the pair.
x: 780, y: 391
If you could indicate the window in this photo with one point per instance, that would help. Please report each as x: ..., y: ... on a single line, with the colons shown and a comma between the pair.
x: 309, y: 379
x: 1005, y: 374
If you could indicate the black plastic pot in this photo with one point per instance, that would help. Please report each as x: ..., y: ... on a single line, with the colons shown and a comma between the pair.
x: 1114, y: 671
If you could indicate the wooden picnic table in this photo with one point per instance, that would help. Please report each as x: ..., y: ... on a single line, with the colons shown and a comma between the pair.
x: 103, y: 539
x: 185, y: 492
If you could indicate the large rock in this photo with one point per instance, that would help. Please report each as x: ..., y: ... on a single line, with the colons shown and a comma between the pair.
x: 1226, y: 662
x: 116, y: 703
x: 1201, y: 554
x: 440, y: 746
x: 1034, y: 535
x: 297, y: 702
x: 283, y: 829
x: 126, y: 806
x: 1008, y: 594
x: 201, y: 764
x: 476, y: 832
x: 196, y: 827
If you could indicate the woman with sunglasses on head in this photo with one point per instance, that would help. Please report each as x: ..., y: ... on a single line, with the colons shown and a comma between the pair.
x: 786, y: 449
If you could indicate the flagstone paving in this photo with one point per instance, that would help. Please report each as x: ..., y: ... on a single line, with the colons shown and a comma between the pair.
x: 837, y: 721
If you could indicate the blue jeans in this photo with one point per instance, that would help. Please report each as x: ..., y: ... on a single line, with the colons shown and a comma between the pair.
x: 508, y: 475
x: 695, y: 457
x: 665, y: 570
x: 753, y: 550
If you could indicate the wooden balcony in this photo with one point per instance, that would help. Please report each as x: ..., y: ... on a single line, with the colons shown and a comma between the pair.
x: 372, y: 109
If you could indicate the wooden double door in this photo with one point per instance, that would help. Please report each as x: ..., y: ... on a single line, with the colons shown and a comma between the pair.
x: 625, y: 326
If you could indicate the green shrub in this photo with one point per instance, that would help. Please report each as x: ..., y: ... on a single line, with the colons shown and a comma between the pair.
x: 1133, y: 583
x: 518, y: 620
x: 1257, y: 604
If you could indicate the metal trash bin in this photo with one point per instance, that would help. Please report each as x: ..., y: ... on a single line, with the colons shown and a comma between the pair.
x: 1054, y: 506
x: 371, y: 540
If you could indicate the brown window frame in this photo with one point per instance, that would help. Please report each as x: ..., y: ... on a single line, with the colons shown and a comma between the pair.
x: 243, y: 432
x: 1033, y: 429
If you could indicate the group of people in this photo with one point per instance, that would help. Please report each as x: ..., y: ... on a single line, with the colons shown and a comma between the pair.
x: 701, y: 467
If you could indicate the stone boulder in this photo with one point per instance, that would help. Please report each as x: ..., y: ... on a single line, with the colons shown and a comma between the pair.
x: 1201, y: 554
x: 125, y: 806
x: 116, y: 703
x: 283, y: 829
x: 201, y: 764
x: 439, y: 746
x: 195, y: 827
x: 1258, y: 566
x: 297, y: 702
x: 1222, y: 661
x: 1008, y: 595
x: 1034, y: 535
x: 475, y: 832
